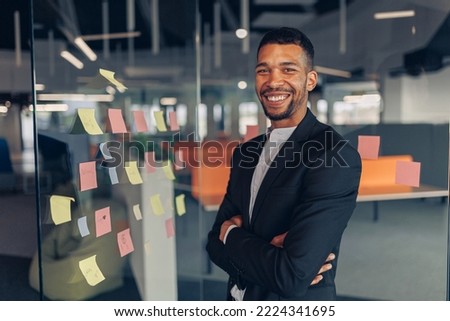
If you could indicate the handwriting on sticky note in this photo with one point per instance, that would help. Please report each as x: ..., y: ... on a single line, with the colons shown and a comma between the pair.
x: 91, y: 271
x: 133, y: 173
x: 168, y: 170
x: 180, y: 204
x: 88, y: 176
x: 157, y: 206
x: 124, y: 242
x: 102, y: 221
x: 252, y: 132
x: 160, y: 122
x: 90, y: 125
x: 109, y: 75
x: 137, y: 212
x: 83, y: 226
x: 60, y: 208
x: 407, y: 173
x: 150, y: 162
x: 368, y: 146
x: 116, y: 121
x: 170, y: 229
x: 139, y: 121
x: 173, y: 121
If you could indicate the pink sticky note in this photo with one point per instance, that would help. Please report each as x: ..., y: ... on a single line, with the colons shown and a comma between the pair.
x: 125, y: 243
x: 407, y: 173
x: 252, y: 132
x: 102, y: 221
x: 173, y: 121
x: 88, y: 176
x: 139, y: 121
x: 150, y: 162
x: 116, y: 120
x: 368, y: 146
x: 170, y: 230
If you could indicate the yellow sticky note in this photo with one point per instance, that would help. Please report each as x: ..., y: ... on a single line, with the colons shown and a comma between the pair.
x: 157, y: 206
x: 87, y: 117
x: 60, y: 208
x: 137, y: 212
x: 168, y: 171
x: 133, y: 173
x: 160, y: 122
x: 109, y: 75
x: 91, y: 271
x: 180, y: 204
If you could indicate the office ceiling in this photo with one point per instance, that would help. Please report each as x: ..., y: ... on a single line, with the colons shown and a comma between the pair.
x: 393, y: 43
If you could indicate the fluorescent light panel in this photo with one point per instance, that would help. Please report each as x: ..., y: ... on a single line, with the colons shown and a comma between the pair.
x: 75, y: 97
x: 333, y: 72
x: 394, y: 14
x: 50, y: 107
x: 3, y: 109
x: 72, y: 59
x: 117, y: 35
x: 85, y: 49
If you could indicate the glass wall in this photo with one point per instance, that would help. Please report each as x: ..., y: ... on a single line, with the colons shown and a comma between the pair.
x: 111, y: 113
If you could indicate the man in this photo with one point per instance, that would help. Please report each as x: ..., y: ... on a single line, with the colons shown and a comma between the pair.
x: 291, y: 193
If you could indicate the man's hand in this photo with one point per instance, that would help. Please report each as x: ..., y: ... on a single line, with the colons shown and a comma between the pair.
x: 235, y: 220
x: 278, y: 241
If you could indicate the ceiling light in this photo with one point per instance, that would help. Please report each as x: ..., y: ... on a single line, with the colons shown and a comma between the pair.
x: 394, y: 14
x: 241, y: 33
x: 242, y: 84
x: 75, y: 97
x: 117, y: 35
x: 50, y: 107
x: 85, y: 49
x: 168, y: 101
x: 333, y: 72
x: 3, y: 109
x: 72, y: 59
x: 39, y: 87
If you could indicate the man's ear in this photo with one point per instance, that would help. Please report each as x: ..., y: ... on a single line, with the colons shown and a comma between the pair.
x: 312, y: 80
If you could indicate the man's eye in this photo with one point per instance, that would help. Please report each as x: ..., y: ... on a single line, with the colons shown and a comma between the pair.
x: 262, y: 71
x: 289, y: 70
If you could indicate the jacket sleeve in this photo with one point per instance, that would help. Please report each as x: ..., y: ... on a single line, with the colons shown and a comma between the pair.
x: 320, y: 217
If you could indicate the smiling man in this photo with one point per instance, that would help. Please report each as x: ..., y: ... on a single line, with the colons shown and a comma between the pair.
x: 291, y: 191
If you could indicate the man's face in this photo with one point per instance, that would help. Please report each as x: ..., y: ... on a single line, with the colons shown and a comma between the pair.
x: 282, y: 83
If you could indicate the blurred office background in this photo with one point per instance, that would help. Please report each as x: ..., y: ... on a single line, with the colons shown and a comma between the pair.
x: 383, y: 71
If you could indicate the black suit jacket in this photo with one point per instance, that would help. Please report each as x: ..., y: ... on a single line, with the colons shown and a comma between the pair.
x: 309, y: 191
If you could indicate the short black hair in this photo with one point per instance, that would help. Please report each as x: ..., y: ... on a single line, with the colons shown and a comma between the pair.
x: 285, y: 36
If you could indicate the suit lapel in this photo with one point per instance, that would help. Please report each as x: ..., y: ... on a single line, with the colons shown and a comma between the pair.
x: 285, y: 155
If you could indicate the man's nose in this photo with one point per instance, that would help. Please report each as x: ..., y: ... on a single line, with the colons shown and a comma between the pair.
x: 275, y: 80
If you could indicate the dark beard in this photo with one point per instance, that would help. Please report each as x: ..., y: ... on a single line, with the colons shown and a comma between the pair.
x: 288, y: 112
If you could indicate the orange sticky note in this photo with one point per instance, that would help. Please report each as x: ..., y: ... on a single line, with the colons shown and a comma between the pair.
x: 139, y: 121
x: 407, y: 173
x: 252, y: 131
x: 88, y: 176
x: 173, y: 121
x: 150, y: 162
x: 170, y: 230
x: 125, y: 243
x: 116, y: 121
x: 102, y: 221
x: 368, y: 146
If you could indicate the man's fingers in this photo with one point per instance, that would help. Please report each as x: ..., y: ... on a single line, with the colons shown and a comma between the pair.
x: 325, y: 267
x: 317, y: 279
x: 330, y: 257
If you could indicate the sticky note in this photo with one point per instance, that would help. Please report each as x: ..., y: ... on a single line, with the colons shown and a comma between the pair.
x: 179, y: 163
x: 155, y: 202
x: 90, y: 125
x: 137, y: 212
x: 160, y: 122
x: 83, y: 227
x: 168, y: 171
x: 368, y: 146
x: 139, y: 121
x: 170, y: 230
x: 407, y: 173
x: 109, y: 75
x: 102, y: 221
x: 252, y: 132
x: 125, y: 243
x: 150, y: 162
x: 116, y: 121
x: 147, y: 248
x: 173, y: 122
x: 133, y: 173
x: 180, y: 204
x: 60, y: 208
x: 91, y: 271
x: 88, y: 176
